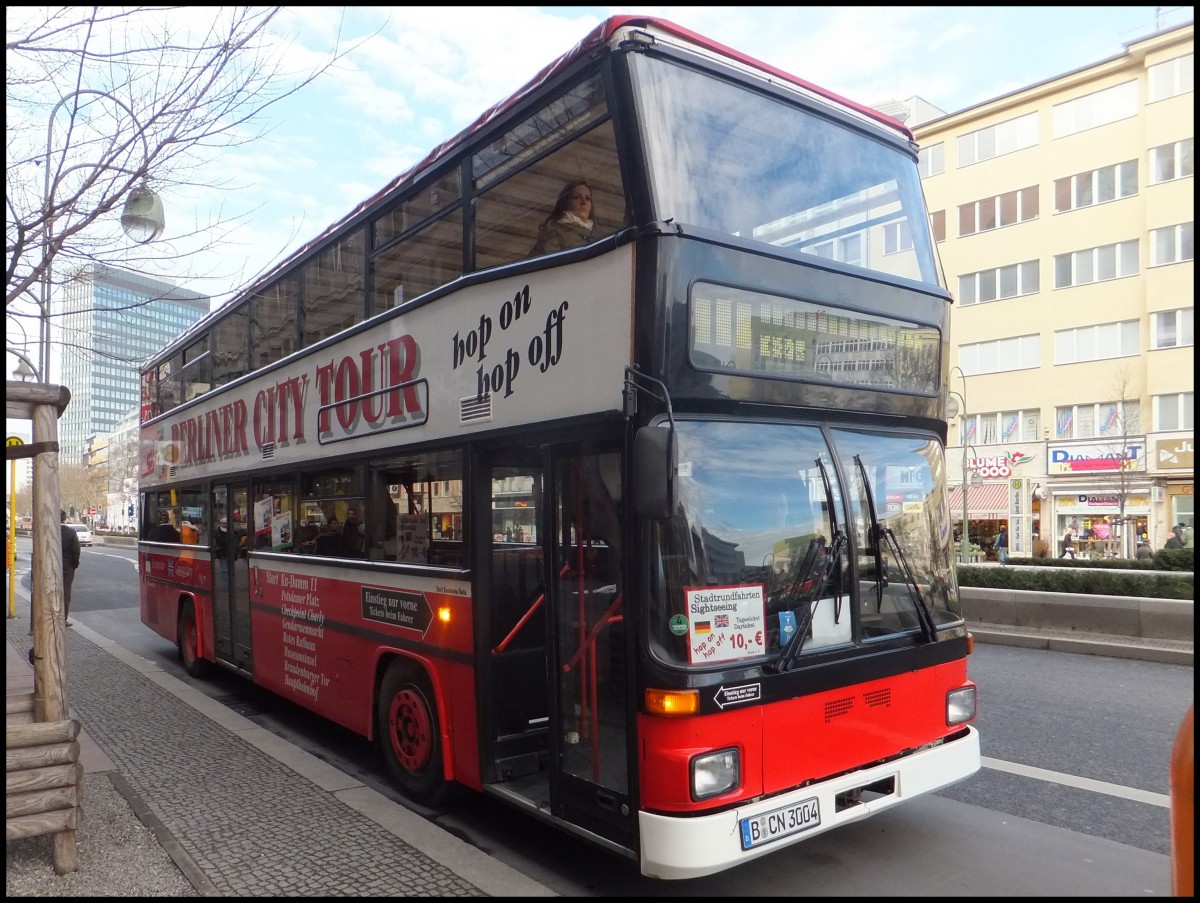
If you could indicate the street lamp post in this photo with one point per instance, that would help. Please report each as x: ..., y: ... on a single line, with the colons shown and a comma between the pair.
x: 142, y: 217
x: 959, y: 409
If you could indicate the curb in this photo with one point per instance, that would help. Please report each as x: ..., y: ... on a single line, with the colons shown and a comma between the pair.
x: 172, y: 847
x: 1166, y: 652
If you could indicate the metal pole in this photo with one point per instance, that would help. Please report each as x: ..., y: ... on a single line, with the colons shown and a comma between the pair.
x: 12, y: 538
x: 48, y: 229
x: 965, y: 545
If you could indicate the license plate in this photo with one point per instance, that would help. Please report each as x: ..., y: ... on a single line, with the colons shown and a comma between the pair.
x: 780, y: 823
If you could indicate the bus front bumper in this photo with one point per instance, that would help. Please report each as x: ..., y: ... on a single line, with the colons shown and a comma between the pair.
x: 692, y: 847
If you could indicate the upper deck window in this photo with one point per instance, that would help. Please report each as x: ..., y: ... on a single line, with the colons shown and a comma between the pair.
x: 724, y: 157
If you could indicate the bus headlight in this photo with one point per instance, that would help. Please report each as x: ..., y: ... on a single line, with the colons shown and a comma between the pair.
x: 960, y: 705
x: 715, y: 773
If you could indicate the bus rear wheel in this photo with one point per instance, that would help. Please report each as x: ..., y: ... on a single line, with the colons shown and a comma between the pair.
x: 410, y: 735
x: 189, y: 642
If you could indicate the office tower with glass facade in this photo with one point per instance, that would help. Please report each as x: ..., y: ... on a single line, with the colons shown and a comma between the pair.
x: 108, y: 322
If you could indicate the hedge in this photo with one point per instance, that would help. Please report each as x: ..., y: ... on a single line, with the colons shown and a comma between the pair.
x: 1096, y: 578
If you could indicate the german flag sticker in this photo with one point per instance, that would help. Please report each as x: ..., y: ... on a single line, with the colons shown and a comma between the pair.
x: 703, y: 627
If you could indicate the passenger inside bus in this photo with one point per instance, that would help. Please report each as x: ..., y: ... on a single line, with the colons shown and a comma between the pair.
x: 308, y: 537
x: 354, y: 535
x: 164, y: 530
x: 571, y: 223
x: 329, y: 542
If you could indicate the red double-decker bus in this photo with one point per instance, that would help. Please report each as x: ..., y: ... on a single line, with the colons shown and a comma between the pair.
x: 636, y: 517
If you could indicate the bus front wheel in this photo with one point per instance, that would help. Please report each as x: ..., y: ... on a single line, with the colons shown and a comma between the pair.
x: 189, y: 642
x: 410, y: 735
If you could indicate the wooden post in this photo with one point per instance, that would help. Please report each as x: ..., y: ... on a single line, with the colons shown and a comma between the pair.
x: 49, y: 623
x: 47, y: 806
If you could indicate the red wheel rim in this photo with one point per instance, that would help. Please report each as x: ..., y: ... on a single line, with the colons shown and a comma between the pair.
x: 411, y: 727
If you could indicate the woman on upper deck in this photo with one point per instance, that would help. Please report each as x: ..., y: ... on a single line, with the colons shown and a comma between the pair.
x: 571, y: 223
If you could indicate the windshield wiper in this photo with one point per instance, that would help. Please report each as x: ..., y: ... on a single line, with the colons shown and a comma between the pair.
x: 878, y: 534
x: 811, y: 578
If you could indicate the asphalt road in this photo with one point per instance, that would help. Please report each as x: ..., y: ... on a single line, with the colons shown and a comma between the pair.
x: 1073, y: 793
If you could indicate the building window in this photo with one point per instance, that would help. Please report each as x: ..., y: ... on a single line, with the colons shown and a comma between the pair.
x: 845, y: 250
x: 1001, y: 210
x: 995, y: 285
x: 1171, y: 161
x: 1002, y: 427
x: 1172, y: 78
x: 937, y: 225
x: 897, y: 237
x: 1094, y: 110
x: 1101, y: 342
x: 1084, y: 189
x: 1174, y: 412
x: 999, y: 356
x: 1106, y: 419
x: 1172, y: 328
x: 1172, y: 244
x: 1096, y: 264
x: 931, y: 161
x: 996, y: 140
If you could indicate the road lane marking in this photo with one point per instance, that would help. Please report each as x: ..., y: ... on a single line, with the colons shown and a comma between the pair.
x: 1070, y: 780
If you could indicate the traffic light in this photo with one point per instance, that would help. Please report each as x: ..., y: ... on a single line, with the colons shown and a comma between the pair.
x: 129, y: 510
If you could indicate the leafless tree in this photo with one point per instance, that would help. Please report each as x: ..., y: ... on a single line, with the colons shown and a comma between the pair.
x: 102, y: 101
x: 122, y: 466
x: 82, y: 488
x: 1120, y: 425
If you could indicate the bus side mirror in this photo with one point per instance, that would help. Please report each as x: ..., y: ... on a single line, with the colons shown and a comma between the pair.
x: 654, y: 472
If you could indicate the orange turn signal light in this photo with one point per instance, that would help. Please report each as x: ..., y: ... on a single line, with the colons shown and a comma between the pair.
x: 443, y: 614
x: 673, y: 702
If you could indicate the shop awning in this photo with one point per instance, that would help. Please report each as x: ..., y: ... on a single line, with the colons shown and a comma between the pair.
x: 985, y: 501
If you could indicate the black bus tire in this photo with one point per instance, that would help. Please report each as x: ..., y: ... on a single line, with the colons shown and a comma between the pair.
x: 189, y: 642
x: 410, y: 734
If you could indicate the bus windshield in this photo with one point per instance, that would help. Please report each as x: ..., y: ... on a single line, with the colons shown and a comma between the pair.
x: 724, y: 157
x: 760, y: 504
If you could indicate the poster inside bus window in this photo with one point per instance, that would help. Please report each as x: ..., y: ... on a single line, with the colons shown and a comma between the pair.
x: 263, y: 509
x: 281, y: 531
x: 726, y: 623
x: 413, y: 545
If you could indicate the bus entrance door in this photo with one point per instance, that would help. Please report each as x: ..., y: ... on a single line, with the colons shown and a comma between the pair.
x: 231, y: 595
x: 590, y: 778
x: 518, y: 698
x: 555, y: 695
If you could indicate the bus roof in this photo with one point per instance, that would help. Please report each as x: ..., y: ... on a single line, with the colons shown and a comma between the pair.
x: 597, y: 37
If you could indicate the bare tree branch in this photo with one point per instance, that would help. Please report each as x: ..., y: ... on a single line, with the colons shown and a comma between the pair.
x: 101, y: 100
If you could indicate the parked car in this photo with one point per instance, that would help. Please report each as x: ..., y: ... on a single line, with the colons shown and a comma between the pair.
x: 85, y: 535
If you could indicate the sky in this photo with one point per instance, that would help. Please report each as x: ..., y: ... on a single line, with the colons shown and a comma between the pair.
x: 416, y: 76
x: 419, y: 75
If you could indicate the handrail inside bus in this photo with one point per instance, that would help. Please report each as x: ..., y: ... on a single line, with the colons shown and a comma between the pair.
x: 609, y: 617
x: 524, y: 619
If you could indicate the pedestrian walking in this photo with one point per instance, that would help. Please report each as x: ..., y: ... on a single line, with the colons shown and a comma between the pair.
x: 1068, y: 545
x: 70, y: 561
x: 1001, y: 545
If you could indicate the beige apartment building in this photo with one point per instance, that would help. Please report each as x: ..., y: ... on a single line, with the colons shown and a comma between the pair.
x: 1064, y: 218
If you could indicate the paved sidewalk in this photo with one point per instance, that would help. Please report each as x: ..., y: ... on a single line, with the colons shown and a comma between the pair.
x: 184, y: 797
